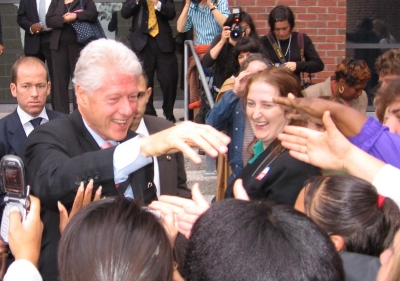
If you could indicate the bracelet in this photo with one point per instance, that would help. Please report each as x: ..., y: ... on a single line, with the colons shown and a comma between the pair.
x: 212, y: 9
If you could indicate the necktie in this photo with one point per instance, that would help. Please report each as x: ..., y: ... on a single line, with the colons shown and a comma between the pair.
x: 106, y: 145
x: 42, y: 12
x: 36, y: 122
x: 153, y: 25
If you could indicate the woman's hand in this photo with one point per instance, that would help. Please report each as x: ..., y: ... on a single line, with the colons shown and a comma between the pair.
x: 68, y: 17
x: 291, y: 65
x: 83, y: 197
x: 241, y: 82
x: 226, y: 34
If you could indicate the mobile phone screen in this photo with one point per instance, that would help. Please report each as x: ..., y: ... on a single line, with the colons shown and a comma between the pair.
x: 13, y: 181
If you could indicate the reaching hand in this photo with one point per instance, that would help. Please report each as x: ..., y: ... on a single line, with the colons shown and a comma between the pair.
x: 181, y: 137
x: 25, y: 237
x: 241, y: 83
x: 83, y: 197
x: 327, y: 149
x: 291, y: 65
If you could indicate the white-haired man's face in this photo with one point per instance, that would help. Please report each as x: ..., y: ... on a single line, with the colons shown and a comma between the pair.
x: 108, y: 110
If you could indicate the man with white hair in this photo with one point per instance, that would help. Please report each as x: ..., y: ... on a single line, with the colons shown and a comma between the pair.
x: 95, y: 143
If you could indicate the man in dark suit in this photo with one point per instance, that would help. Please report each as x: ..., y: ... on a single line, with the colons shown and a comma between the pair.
x: 152, y: 41
x: 95, y: 143
x: 30, y: 86
x: 1, y: 40
x: 32, y: 18
x: 169, y: 169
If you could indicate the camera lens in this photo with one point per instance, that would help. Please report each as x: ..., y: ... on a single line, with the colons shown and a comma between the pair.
x: 237, y: 33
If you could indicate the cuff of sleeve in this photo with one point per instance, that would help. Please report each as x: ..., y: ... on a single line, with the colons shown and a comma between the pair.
x: 127, y: 159
x: 382, y: 182
x: 158, y: 6
x: 22, y: 270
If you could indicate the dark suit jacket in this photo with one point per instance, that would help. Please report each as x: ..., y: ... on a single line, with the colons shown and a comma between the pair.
x: 139, y: 31
x: 171, y: 166
x: 28, y: 15
x: 54, y: 17
x: 59, y: 155
x: 281, y: 183
x: 360, y: 267
x: 12, y: 134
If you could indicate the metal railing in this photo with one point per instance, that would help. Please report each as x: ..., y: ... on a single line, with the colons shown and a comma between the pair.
x: 210, y: 162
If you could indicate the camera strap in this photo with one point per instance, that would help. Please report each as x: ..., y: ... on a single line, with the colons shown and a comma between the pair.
x: 300, y: 42
x: 276, y: 48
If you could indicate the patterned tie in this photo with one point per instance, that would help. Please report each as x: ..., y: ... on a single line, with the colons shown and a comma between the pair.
x: 106, y: 145
x: 42, y: 12
x: 36, y: 122
x: 153, y: 25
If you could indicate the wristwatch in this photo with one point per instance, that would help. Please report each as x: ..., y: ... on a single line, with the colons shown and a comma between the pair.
x: 212, y: 9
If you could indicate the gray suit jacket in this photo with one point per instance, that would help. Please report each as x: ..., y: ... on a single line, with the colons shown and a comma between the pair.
x: 324, y: 89
x: 171, y: 166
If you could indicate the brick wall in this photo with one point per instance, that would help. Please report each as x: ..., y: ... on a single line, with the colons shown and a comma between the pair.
x: 323, y: 20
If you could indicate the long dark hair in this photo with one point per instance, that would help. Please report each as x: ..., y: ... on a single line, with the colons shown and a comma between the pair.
x: 347, y: 206
x: 112, y: 240
x: 246, y: 18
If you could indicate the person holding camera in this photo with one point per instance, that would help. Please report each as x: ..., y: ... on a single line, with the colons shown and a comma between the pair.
x: 294, y: 50
x: 205, y: 16
x: 220, y: 54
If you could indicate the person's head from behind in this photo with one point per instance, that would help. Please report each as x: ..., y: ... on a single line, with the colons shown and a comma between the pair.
x: 380, y: 29
x: 144, y: 93
x: 281, y: 22
x: 266, y: 118
x: 254, y: 240
x: 387, y: 104
x: 106, y: 78
x: 114, y: 239
x: 388, y: 65
x: 350, y: 210
x: 246, y: 22
x: 351, y: 77
x: 256, y: 62
x: 245, y: 47
x: 30, y: 85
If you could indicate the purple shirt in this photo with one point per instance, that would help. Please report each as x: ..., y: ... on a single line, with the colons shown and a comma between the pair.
x: 376, y: 140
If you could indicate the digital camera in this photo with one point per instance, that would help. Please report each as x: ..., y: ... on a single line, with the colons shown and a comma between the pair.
x: 237, y: 31
x: 17, y: 192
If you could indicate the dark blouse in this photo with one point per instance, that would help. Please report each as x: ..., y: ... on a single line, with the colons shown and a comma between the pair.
x: 279, y: 180
x: 312, y: 63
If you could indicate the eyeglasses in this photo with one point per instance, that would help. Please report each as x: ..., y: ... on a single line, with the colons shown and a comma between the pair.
x: 283, y: 29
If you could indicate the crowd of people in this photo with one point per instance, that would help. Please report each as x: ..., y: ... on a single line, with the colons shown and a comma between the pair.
x: 108, y: 182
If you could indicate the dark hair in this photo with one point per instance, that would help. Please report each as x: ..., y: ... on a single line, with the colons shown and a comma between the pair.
x: 388, y: 63
x: 281, y: 13
x: 247, y: 44
x: 256, y: 57
x: 353, y: 72
x: 245, y: 17
x: 146, y: 79
x: 385, y: 96
x: 347, y: 206
x: 112, y: 240
x: 28, y: 61
x: 252, y: 240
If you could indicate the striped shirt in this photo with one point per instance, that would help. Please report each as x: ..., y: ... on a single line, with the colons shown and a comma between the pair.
x: 205, y: 26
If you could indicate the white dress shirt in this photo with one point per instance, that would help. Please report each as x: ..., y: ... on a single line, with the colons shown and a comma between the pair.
x: 126, y: 158
x: 387, y: 183
x: 26, y: 119
x: 142, y: 130
x: 22, y: 270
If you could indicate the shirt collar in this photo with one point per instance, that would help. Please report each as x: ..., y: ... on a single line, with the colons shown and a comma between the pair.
x: 142, y: 129
x: 96, y: 137
x: 25, y: 117
x: 258, y: 148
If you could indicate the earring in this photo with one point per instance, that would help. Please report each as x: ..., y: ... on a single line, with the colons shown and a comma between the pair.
x: 341, y: 90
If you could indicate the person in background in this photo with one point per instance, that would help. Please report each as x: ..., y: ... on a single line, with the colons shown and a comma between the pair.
x: 387, y: 104
x: 30, y: 86
x: 1, y: 39
x: 64, y: 46
x: 32, y: 18
x: 169, y: 169
x: 220, y: 54
x: 351, y: 77
x: 381, y: 30
x: 281, y: 22
x: 205, y: 16
x: 152, y: 41
x: 388, y: 65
